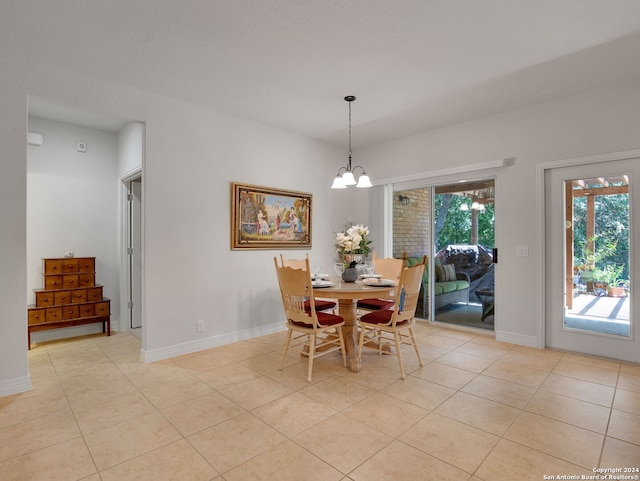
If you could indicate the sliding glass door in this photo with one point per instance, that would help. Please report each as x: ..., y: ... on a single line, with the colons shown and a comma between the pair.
x: 464, y: 274
x: 454, y: 226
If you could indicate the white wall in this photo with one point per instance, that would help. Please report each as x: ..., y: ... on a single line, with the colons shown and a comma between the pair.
x: 72, y: 205
x: 601, y: 120
x: 191, y: 273
x: 130, y: 148
x: 191, y: 156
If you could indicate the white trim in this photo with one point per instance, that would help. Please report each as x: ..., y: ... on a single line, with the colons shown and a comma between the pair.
x: 515, y: 338
x: 541, y: 168
x: 189, y: 347
x: 462, y: 169
x: 387, y: 231
x: 15, y: 385
x: 591, y: 159
x: 132, y: 174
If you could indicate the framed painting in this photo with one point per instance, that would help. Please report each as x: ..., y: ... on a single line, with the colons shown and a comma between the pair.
x: 269, y: 218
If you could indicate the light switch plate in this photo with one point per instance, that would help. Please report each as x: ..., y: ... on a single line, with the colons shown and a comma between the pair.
x: 522, y: 251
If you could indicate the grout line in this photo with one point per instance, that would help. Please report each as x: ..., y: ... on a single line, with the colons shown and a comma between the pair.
x: 374, y: 390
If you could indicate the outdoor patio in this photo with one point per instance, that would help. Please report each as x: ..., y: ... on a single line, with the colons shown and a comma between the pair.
x: 607, y: 315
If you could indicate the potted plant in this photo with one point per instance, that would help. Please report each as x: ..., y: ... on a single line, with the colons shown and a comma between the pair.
x: 589, y: 259
x: 620, y: 289
x: 609, y: 277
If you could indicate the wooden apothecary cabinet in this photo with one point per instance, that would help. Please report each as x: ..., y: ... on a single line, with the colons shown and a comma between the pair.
x: 70, y: 297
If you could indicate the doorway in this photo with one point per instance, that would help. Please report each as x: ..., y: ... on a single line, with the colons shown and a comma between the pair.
x: 453, y: 224
x: 589, y: 246
x: 134, y: 254
x: 463, y: 264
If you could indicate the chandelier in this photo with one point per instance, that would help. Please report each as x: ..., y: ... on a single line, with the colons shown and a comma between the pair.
x: 345, y: 175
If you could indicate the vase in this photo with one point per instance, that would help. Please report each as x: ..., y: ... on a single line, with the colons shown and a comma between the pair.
x: 357, y: 258
x: 350, y: 274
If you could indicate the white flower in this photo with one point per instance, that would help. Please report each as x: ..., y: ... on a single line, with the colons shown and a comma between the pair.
x: 353, y: 240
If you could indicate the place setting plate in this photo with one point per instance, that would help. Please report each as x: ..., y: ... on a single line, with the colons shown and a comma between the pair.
x: 371, y: 276
x: 380, y: 282
x: 320, y: 283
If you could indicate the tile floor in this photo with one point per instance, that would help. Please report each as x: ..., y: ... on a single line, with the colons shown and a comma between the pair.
x: 478, y: 410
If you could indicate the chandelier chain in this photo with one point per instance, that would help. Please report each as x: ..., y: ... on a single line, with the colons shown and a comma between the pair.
x: 349, y: 130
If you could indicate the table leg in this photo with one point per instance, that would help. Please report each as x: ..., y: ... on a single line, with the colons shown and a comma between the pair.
x: 347, y: 309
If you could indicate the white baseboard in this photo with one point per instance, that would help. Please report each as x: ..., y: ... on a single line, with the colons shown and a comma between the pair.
x: 15, y: 385
x: 174, y: 350
x: 515, y: 338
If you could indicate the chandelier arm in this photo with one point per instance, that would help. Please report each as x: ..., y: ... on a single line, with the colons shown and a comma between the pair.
x: 364, y: 172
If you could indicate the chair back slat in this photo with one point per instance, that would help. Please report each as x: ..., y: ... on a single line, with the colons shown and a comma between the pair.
x: 295, y: 263
x: 295, y: 289
x: 388, y: 267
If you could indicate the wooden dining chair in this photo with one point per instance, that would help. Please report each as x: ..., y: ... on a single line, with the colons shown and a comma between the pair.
x: 318, y: 333
x: 396, y: 324
x: 321, y: 304
x: 294, y: 263
x: 388, y: 268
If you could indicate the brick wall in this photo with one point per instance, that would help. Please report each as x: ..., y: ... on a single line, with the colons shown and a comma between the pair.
x: 411, y: 222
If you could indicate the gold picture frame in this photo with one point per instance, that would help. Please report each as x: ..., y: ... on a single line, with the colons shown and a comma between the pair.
x: 269, y: 218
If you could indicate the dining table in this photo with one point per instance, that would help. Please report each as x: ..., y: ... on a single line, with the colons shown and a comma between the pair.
x: 348, y: 294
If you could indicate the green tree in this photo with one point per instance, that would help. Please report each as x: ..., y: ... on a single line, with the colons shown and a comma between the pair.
x: 453, y: 226
x: 611, y: 229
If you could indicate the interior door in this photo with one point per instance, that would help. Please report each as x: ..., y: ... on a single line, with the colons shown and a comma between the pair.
x: 580, y: 316
x: 135, y: 253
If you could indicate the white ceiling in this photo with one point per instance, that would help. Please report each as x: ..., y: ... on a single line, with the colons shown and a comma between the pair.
x: 412, y: 64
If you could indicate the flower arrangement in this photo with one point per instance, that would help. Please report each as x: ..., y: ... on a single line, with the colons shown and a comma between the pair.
x: 353, y: 241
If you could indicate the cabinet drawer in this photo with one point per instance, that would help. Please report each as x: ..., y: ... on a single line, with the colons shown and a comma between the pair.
x: 87, y: 279
x: 69, y: 265
x: 94, y: 294
x: 53, y: 282
x: 70, y: 281
x: 36, y: 316
x: 62, y: 297
x: 78, y: 296
x: 102, y: 309
x: 86, y: 264
x: 53, y: 314
x: 52, y: 266
x: 44, y: 299
x: 70, y: 312
x: 87, y: 310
